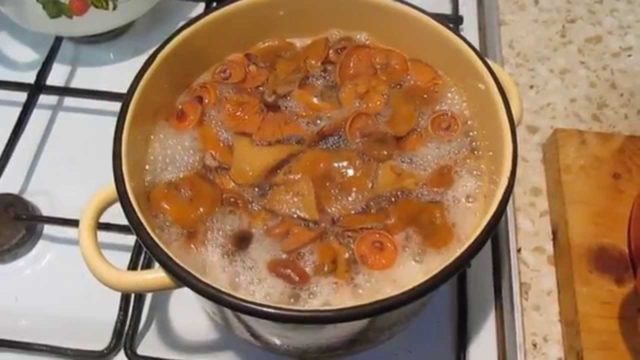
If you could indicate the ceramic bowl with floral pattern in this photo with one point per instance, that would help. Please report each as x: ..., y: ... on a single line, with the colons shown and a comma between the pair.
x: 73, y: 18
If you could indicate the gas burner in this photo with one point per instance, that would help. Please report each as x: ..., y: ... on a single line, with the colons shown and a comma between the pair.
x: 17, y: 237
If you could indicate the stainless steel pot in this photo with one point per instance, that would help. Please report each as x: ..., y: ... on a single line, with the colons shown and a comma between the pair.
x: 492, y: 97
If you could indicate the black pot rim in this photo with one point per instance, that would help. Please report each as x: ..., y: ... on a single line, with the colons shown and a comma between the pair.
x: 289, y: 315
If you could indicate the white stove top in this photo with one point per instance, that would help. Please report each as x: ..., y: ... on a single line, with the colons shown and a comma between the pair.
x: 64, y: 156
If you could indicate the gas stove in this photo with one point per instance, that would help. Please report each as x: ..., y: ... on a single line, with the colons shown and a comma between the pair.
x: 59, y: 100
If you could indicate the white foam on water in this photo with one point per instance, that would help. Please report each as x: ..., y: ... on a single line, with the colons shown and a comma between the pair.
x: 172, y: 154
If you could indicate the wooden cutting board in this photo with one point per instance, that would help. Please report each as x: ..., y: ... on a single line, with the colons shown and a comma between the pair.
x: 592, y: 179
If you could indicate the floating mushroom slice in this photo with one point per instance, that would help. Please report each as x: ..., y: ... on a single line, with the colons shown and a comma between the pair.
x: 187, y: 201
x: 345, y: 184
x: 280, y: 230
x: 211, y: 142
x: 352, y: 91
x: 402, y: 214
x: 391, y: 65
x: 235, y: 199
x: 425, y: 97
x: 187, y: 115
x: 205, y: 93
x: 343, y: 270
x: 404, y: 114
x: 260, y: 218
x: 288, y: 271
x: 428, y: 219
x: 357, y: 62
x: 298, y: 237
x: 312, y: 163
x: 222, y: 178
x: 392, y: 177
x: 295, y: 198
x: 376, y: 249
x: 441, y: 178
x: 287, y: 75
x: 444, y: 124
x: 359, y: 125
x: 255, y: 77
x: 363, y: 220
x: 346, y: 196
x: 370, y: 93
x: 414, y: 140
x: 243, y: 113
x: 432, y: 225
x: 282, y: 85
x: 315, y: 52
x: 278, y: 127
x: 346, y: 164
x: 378, y: 145
x: 423, y: 74
x: 267, y: 52
x: 231, y: 71
x: 251, y: 163
x: 339, y: 47
x: 376, y: 97
x: 315, y: 100
x: 325, y: 258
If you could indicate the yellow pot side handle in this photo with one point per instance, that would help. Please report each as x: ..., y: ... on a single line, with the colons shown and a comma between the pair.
x: 111, y: 276
x: 511, y: 89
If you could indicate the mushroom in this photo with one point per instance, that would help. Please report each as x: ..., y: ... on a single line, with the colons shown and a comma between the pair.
x: 315, y: 99
x: 391, y: 65
x: 370, y: 93
x: 251, y: 163
x: 205, y: 93
x: 186, y: 201
x: 391, y: 177
x: 289, y: 271
x: 214, y: 146
x: 231, y: 71
x: 404, y: 113
x: 422, y: 74
x: 298, y: 237
x: 267, y: 52
x: 444, y: 124
x: 359, y: 125
x: 428, y: 219
x: 414, y: 140
x: 363, y: 220
x: 187, y: 115
x: 441, y: 178
x: 294, y: 198
x: 255, y: 77
x: 315, y: 52
x: 356, y: 62
x: 379, y: 145
x: 278, y: 127
x: 339, y: 47
x: 243, y: 113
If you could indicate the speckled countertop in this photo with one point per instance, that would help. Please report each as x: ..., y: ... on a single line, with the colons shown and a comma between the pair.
x: 578, y: 66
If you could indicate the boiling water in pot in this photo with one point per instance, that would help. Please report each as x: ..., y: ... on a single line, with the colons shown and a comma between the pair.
x: 317, y: 173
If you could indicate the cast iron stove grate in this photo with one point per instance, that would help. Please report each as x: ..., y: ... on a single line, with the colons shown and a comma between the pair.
x: 30, y: 222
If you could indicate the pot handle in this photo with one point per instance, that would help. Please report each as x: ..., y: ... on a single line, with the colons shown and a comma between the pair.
x: 111, y: 276
x: 511, y: 89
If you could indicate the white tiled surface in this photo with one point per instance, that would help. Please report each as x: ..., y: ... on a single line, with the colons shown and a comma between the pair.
x: 65, y: 155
